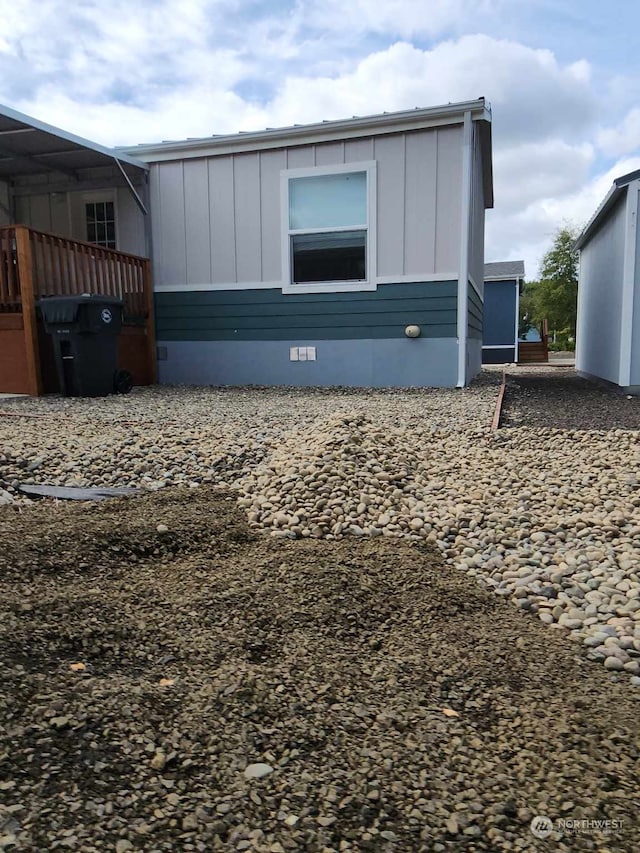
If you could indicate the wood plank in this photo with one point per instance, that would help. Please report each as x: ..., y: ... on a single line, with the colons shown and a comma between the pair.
x: 25, y: 271
x: 9, y: 322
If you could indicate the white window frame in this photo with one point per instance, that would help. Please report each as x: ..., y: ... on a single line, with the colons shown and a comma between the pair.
x: 98, y: 198
x: 370, y: 283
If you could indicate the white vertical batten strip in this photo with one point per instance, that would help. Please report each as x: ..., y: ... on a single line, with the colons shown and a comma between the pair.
x: 628, y: 285
x: 515, y: 354
x: 463, y: 270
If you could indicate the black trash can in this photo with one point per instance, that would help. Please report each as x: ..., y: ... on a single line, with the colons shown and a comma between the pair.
x: 85, y: 331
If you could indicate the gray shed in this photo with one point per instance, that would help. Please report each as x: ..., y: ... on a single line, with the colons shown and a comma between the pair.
x: 608, y: 325
x: 304, y: 255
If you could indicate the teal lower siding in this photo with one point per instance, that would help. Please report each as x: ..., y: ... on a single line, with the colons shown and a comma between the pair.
x: 373, y: 363
x: 270, y: 315
x: 474, y: 314
x: 243, y: 337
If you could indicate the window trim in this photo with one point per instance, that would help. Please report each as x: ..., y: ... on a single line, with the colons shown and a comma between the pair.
x: 370, y: 283
x: 99, y: 198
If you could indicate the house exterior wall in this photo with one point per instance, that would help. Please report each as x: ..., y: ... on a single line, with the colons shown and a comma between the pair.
x: 222, y: 316
x: 56, y: 205
x: 216, y: 220
x: 245, y: 335
x: 600, y: 298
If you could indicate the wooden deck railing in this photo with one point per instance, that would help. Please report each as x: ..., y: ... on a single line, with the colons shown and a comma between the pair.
x: 9, y: 283
x: 34, y: 264
x: 62, y: 267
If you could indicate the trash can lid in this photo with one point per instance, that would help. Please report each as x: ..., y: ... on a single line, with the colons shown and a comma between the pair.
x: 64, y: 309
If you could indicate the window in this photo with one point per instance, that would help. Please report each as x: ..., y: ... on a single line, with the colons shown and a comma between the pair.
x: 328, y: 226
x: 101, y: 223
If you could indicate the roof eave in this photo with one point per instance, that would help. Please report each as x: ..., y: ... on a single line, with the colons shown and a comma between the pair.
x: 319, y: 132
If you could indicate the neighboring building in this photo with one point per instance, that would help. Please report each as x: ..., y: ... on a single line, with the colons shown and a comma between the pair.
x: 502, y: 284
x: 608, y: 324
x: 296, y: 256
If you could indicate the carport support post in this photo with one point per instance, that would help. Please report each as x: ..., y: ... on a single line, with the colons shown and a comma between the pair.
x: 29, y: 321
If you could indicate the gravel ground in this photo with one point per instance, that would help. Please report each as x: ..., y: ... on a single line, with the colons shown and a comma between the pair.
x: 545, y: 513
x: 206, y: 688
x: 558, y: 398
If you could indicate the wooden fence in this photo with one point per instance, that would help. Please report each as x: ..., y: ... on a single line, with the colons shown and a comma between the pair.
x: 34, y: 264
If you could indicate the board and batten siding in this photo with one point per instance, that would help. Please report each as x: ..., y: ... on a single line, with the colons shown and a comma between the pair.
x: 63, y: 214
x: 600, y: 297
x: 268, y: 314
x: 216, y: 220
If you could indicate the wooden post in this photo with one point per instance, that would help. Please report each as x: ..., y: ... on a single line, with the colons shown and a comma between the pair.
x: 151, y: 323
x: 25, y: 277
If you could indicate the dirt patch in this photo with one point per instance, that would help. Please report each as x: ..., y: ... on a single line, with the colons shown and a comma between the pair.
x: 563, y: 400
x: 399, y: 706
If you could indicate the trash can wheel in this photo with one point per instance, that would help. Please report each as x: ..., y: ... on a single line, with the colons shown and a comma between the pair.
x: 122, y: 382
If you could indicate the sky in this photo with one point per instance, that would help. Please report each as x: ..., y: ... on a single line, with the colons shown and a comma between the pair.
x: 562, y: 78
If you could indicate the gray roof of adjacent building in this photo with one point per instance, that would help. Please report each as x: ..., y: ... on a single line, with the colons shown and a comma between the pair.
x: 504, y: 270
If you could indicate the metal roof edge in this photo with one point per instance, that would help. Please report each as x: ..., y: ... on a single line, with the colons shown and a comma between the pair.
x: 310, y: 133
x: 114, y: 153
x: 605, y: 206
x: 624, y: 180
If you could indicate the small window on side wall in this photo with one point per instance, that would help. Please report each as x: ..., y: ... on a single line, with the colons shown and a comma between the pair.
x: 101, y: 223
x: 328, y: 228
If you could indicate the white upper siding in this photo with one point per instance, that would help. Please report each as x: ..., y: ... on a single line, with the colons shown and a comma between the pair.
x: 600, y: 296
x: 216, y: 220
x: 476, y: 241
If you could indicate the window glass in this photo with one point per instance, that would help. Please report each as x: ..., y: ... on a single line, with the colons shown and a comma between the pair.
x: 328, y: 201
x: 101, y: 226
x: 336, y: 256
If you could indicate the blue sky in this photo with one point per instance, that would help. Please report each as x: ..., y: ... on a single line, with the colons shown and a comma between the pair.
x: 562, y: 78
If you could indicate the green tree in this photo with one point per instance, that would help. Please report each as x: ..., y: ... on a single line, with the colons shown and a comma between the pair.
x: 555, y: 296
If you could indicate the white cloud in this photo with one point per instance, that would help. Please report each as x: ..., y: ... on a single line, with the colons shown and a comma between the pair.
x: 404, y: 18
x: 623, y: 139
x: 171, y: 69
x: 538, y: 170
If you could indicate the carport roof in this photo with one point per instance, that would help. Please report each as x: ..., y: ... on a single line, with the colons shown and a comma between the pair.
x: 31, y: 147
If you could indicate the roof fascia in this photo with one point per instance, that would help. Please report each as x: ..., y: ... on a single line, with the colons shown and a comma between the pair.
x: 512, y: 278
x: 313, y: 133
